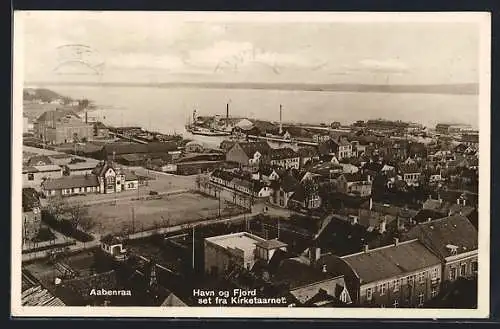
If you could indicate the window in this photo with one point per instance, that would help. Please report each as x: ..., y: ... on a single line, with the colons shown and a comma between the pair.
x: 31, y: 177
x: 463, y: 269
x: 421, y: 277
x: 433, y: 292
x: 369, y: 293
x: 343, y: 296
x: 396, y: 285
x: 395, y: 304
x: 474, y: 267
x: 411, y: 278
x: 421, y: 300
x: 434, y: 273
x: 404, y: 280
x: 382, y: 289
x: 453, y: 273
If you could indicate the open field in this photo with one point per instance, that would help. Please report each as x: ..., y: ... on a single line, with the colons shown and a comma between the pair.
x: 150, y: 214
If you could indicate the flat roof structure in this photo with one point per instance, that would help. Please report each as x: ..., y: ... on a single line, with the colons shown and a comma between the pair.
x: 241, y: 240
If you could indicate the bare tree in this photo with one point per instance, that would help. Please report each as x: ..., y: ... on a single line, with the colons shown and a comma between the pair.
x: 57, y: 207
x: 78, y: 215
x: 198, y: 181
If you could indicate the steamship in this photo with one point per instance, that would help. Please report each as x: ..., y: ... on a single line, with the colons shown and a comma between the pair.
x: 195, y: 129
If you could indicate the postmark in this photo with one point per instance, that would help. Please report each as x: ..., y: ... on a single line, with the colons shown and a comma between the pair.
x: 78, y: 59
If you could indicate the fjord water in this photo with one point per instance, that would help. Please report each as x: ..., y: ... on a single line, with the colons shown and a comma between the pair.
x: 167, y: 109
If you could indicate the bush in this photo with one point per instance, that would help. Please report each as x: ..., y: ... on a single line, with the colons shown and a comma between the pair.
x: 65, y: 227
x: 45, y: 234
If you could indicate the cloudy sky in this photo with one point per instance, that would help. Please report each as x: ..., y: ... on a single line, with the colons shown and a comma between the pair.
x: 153, y: 47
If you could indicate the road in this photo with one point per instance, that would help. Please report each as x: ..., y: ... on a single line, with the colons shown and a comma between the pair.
x: 80, y: 246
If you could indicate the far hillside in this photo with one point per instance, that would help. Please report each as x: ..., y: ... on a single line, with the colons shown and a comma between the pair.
x: 44, y: 95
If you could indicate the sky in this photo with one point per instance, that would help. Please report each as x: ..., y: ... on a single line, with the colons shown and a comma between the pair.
x: 158, y: 47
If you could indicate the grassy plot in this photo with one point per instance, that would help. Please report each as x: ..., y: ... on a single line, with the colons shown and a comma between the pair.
x: 141, y: 215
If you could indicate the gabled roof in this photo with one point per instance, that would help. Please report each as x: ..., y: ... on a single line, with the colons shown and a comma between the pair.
x: 222, y: 174
x: 101, y: 168
x: 56, y: 115
x: 251, y: 147
x: 67, y: 182
x: 39, y: 160
x: 298, y: 274
x: 453, y: 230
x: 373, y: 166
x: 283, y: 153
x: 391, y: 261
x: 111, y: 239
x: 409, y: 169
x: 328, y: 146
x: 308, y: 151
x: 173, y: 300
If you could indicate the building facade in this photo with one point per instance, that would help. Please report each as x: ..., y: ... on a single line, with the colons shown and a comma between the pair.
x: 455, y: 240
x: 240, y: 250
x: 404, y: 274
x: 62, y: 126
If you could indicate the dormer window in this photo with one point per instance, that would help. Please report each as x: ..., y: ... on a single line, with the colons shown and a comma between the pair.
x: 452, y: 249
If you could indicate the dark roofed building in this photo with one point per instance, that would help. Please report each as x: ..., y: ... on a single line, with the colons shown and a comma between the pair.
x: 455, y: 240
x: 115, y: 149
x: 249, y: 153
x: 306, y: 283
x: 67, y: 185
x: 404, y: 274
x: 39, y: 160
x: 285, y: 158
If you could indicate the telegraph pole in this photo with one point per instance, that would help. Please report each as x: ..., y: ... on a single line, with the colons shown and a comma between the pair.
x: 193, y: 247
x: 133, y: 220
x: 219, y: 202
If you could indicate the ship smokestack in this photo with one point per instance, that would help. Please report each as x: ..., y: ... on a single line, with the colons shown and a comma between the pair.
x: 86, y: 117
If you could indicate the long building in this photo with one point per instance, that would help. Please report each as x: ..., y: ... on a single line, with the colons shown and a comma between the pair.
x: 62, y: 126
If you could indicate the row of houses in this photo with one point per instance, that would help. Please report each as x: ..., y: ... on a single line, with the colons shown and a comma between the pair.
x: 407, y: 273
x: 104, y: 178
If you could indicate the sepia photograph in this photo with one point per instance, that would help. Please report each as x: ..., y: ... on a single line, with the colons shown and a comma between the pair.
x: 246, y: 164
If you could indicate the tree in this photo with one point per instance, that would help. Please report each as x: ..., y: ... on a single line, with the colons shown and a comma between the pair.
x: 198, y: 181
x: 310, y: 189
x: 56, y: 207
x: 78, y: 216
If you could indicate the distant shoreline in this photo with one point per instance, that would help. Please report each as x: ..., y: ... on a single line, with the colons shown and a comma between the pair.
x: 450, y: 89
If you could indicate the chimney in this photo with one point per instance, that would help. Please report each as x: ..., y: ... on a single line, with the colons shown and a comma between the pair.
x: 86, y: 117
x: 227, y: 112
x: 396, y: 241
x: 314, y: 255
x: 365, y: 248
